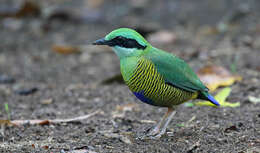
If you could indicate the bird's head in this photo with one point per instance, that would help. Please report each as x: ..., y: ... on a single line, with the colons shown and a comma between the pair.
x: 125, y: 42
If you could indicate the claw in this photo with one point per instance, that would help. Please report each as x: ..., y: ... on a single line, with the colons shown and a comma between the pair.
x: 153, y: 131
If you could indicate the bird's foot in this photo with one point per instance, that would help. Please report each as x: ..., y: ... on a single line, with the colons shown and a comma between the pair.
x: 158, y: 135
x: 160, y: 128
x: 152, y: 133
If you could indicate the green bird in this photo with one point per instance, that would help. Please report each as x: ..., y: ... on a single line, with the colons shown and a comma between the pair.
x: 154, y: 76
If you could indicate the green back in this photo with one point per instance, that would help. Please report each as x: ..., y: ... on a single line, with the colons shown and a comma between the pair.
x: 174, y: 70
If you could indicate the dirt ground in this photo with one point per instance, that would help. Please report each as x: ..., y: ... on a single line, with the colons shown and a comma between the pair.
x: 225, y: 33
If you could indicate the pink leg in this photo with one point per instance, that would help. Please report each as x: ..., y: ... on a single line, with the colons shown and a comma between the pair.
x: 171, y: 112
x: 157, y: 132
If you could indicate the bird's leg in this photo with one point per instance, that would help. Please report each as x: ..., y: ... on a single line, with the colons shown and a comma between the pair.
x: 170, y: 113
x: 156, y: 132
x: 156, y: 129
x: 164, y: 122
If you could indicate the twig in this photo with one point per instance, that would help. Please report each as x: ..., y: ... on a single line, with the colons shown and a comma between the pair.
x: 55, y: 121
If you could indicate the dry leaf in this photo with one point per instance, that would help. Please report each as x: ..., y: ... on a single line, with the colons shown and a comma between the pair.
x: 215, y: 76
x: 221, y: 97
x: 65, y: 49
x: 162, y: 37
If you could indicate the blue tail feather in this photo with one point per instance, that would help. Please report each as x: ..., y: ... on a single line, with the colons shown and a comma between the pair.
x: 213, y: 100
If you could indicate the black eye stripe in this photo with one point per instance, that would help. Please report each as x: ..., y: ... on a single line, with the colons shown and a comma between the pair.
x: 125, y: 42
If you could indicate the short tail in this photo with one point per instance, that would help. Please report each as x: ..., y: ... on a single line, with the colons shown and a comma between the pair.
x: 207, y: 96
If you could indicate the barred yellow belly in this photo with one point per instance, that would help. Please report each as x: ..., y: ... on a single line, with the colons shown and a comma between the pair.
x: 150, y: 87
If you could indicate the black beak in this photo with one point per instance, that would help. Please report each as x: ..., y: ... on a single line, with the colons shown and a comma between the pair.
x: 101, y: 41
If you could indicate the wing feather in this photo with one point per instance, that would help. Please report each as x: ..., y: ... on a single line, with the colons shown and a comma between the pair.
x: 175, y: 71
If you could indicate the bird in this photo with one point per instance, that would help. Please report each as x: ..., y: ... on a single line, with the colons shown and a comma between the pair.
x: 154, y: 76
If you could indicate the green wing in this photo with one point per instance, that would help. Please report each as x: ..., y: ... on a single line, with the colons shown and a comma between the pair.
x: 175, y: 71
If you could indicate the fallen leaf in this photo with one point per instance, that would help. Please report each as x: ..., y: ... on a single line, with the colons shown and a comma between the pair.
x: 221, y: 97
x: 162, y: 37
x: 65, y: 49
x: 254, y: 100
x: 216, y: 76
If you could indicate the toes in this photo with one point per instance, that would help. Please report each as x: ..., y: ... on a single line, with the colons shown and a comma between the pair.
x: 153, y: 131
x: 158, y: 135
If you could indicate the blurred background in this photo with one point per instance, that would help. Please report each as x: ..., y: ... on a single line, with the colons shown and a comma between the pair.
x: 49, y: 69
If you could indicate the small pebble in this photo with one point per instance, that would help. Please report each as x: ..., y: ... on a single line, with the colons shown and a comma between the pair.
x: 47, y: 101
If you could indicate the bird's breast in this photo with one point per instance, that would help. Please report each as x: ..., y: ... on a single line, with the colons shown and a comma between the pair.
x: 149, y: 86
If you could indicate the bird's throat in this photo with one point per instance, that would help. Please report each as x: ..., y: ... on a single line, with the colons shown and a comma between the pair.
x: 122, y: 52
